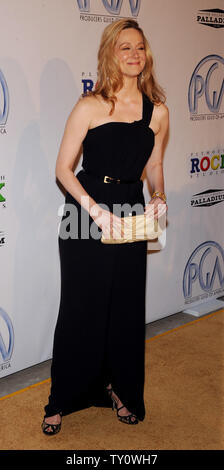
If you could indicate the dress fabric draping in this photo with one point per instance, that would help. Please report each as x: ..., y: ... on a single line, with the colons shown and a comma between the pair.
x: 100, y: 331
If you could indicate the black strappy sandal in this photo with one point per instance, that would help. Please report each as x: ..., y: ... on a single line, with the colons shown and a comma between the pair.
x: 55, y: 427
x: 126, y: 418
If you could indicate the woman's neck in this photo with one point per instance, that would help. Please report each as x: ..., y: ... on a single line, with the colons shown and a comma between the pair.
x: 129, y: 91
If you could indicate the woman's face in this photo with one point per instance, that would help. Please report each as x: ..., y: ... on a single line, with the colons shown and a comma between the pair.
x: 130, y: 51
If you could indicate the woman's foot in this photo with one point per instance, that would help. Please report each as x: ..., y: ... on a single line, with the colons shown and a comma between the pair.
x: 124, y: 411
x: 55, y: 421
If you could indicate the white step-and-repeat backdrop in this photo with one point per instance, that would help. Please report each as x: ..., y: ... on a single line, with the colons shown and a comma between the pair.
x: 48, y: 58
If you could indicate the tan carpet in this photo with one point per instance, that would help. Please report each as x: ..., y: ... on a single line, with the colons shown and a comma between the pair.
x: 184, y: 396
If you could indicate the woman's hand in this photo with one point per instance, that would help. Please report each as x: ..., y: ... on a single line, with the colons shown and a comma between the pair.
x: 155, y: 208
x: 110, y: 224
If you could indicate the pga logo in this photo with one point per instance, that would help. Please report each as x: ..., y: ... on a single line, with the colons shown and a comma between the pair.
x: 204, y: 269
x: 6, y: 336
x: 113, y: 7
x: 4, y: 100
x: 206, y: 86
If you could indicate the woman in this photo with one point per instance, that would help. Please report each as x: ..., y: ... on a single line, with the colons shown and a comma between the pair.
x: 99, y: 341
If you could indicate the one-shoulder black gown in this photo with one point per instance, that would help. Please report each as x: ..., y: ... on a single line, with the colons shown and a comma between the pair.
x: 100, y: 332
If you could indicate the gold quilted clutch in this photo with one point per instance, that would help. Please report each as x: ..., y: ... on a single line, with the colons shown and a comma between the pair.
x: 137, y: 228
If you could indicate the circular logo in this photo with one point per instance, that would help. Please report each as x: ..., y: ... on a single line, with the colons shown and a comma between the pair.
x: 204, y: 268
x: 4, y: 100
x: 6, y: 336
x: 207, y: 84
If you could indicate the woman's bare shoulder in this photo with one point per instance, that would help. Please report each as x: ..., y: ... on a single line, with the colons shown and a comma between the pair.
x: 84, y: 108
x: 162, y: 115
x: 87, y: 102
x: 162, y: 118
x: 162, y: 110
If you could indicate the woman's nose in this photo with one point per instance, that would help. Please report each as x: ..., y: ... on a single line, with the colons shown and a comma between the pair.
x: 134, y: 53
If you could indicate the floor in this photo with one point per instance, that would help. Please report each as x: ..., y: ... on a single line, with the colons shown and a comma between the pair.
x: 40, y: 372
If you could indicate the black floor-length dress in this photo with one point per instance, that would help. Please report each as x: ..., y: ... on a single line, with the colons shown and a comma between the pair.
x: 100, y: 332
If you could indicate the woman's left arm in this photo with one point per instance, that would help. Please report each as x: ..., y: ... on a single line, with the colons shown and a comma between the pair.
x: 154, y: 166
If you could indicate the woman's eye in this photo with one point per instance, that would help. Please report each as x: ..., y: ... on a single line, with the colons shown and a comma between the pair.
x: 127, y: 48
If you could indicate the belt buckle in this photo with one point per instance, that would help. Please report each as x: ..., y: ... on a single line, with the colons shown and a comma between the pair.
x: 106, y: 178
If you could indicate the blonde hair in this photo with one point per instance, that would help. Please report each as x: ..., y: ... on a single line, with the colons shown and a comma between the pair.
x: 109, y: 76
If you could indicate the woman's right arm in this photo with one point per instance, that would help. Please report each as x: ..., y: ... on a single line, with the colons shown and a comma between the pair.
x: 75, y: 131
